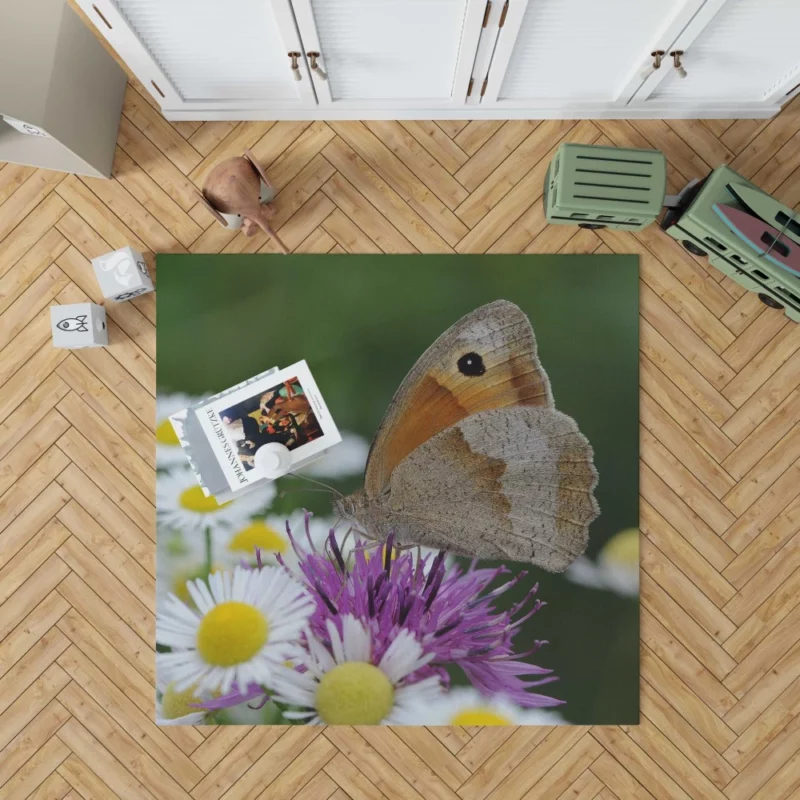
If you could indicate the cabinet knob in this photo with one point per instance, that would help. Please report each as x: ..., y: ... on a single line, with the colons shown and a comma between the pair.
x: 312, y: 56
x: 676, y: 60
x: 294, y: 65
x: 657, y: 55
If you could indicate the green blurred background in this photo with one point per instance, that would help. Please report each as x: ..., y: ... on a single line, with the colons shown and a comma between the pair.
x: 361, y: 321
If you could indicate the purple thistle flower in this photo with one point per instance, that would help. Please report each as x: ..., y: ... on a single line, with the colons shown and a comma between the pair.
x: 450, y: 612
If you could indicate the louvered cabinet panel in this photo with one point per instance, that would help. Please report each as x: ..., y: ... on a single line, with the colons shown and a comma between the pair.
x: 749, y: 51
x: 390, y: 51
x: 493, y: 59
x: 207, y: 51
x: 579, y: 50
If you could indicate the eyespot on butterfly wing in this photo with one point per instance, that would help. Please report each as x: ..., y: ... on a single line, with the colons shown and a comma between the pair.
x: 486, y: 360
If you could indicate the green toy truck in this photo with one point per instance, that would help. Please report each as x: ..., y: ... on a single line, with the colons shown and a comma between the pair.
x: 702, y: 232
x: 609, y: 187
x: 605, y: 187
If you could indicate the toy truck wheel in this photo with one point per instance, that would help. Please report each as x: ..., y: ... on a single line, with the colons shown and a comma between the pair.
x: 769, y: 301
x: 693, y: 248
x: 592, y: 226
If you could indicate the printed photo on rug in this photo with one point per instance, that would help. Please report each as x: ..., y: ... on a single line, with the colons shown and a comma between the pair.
x: 281, y: 414
x: 466, y: 554
x: 285, y: 407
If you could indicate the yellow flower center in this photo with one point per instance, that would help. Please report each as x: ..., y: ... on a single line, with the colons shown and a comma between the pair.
x: 259, y: 534
x: 622, y: 548
x: 479, y: 716
x: 165, y: 434
x: 193, y: 499
x: 231, y: 633
x: 176, y: 704
x: 354, y: 693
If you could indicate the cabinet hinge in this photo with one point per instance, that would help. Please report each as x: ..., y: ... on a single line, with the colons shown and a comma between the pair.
x: 487, y: 12
x: 469, y: 88
x: 503, y: 15
x: 483, y: 88
x: 102, y: 17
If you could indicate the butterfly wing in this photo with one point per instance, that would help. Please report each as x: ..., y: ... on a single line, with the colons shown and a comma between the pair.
x: 512, y: 483
x: 486, y: 360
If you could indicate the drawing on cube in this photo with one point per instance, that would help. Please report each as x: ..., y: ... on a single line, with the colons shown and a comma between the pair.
x: 122, y: 274
x: 74, y: 324
x: 78, y: 325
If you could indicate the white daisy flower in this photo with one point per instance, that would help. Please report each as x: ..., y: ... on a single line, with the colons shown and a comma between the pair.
x: 343, y: 685
x: 617, y: 566
x: 464, y: 705
x: 175, y: 708
x: 168, y: 449
x: 247, y: 623
x: 349, y: 457
x: 182, y: 506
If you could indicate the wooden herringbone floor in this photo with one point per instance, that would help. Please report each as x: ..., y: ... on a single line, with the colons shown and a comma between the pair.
x: 720, y: 468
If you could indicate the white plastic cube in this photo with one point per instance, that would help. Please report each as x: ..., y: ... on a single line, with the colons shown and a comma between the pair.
x: 122, y: 274
x: 78, y: 325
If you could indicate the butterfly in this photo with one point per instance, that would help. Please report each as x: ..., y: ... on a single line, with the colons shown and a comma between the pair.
x: 472, y: 456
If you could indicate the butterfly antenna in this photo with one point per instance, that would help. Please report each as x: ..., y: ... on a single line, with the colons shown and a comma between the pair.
x: 286, y: 492
x: 319, y: 483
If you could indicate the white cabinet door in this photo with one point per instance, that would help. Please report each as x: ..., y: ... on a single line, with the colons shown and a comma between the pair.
x: 206, y: 53
x: 734, y: 52
x: 576, y: 54
x: 390, y: 53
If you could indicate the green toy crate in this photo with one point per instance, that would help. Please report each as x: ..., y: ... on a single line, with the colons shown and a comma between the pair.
x: 605, y: 187
x: 695, y: 224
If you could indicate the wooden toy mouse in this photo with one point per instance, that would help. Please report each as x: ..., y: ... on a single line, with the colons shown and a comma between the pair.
x: 233, y: 187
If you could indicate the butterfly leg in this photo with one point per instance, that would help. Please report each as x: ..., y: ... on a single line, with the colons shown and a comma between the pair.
x: 371, y: 546
x: 401, y: 548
